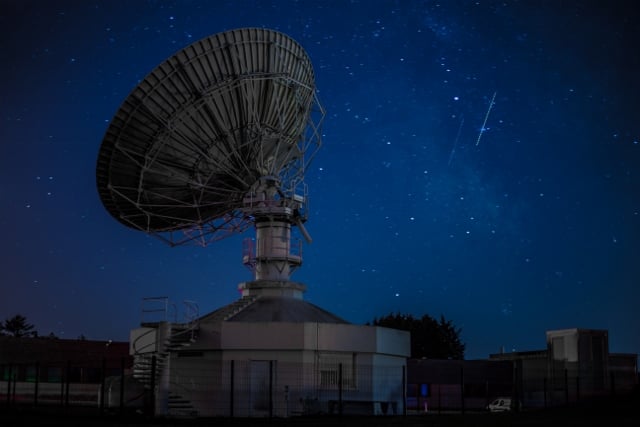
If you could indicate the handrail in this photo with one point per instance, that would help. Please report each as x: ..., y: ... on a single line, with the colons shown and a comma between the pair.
x: 165, y: 310
x: 188, y: 330
x: 160, y: 346
x: 152, y: 302
x: 192, y: 311
x: 139, y: 351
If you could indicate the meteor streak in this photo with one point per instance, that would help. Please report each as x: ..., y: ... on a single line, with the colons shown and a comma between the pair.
x: 486, y: 116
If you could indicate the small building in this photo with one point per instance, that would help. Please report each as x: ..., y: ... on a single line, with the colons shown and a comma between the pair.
x: 50, y: 358
x: 271, y: 354
x: 576, y: 365
x: 581, y: 355
x: 52, y: 370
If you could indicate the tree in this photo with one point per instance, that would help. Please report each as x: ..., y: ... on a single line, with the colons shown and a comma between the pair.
x: 17, y: 326
x: 429, y: 338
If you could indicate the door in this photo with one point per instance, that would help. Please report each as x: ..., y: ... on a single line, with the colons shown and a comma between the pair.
x: 260, y: 387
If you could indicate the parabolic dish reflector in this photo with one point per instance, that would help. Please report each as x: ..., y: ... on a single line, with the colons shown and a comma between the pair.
x: 198, y: 132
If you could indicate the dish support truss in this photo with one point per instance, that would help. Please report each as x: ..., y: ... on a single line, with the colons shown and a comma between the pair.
x: 201, y: 230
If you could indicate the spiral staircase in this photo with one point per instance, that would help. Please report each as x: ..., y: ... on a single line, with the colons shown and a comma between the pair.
x: 152, y: 351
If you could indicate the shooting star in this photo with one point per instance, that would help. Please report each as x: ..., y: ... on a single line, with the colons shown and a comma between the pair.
x: 486, y: 116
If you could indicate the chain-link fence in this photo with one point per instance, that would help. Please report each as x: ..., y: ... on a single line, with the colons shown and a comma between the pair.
x: 196, y: 385
x: 70, y: 384
x: 466, y: 387
x: 276, y: 388
x: 191, y: 385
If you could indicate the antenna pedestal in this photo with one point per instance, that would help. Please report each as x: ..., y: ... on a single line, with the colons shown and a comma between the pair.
x: 278, y: 288
x: 274, y: 259
x: 274, y: 213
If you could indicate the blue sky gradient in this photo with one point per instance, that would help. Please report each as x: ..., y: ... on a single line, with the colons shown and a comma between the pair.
x: 537, y: 227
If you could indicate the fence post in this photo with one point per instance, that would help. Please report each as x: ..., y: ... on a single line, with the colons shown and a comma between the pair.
x: 404, y: 390
x: 153, y: 385
x: 122, y: 363
x: 544, y: 385
x: 486, y: 393
x: 566, y: 386
x: 270, y: 389
x: 231, y: 389
x: 103, y: 375
x: 340, y: 389
x: 462, y: 389
x: 66, y: 397
x: 9, y: 374
x: 286, y: 401
x: 62, y: 378
x: 36, y: 385
x: 577, y: 388
x: 15, y: 380
x: 516, y: 386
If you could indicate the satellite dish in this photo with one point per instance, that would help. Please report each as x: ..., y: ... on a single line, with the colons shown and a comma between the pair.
x: 214, y: 140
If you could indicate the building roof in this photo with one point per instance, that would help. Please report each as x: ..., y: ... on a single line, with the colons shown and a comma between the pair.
x: 272, y: 309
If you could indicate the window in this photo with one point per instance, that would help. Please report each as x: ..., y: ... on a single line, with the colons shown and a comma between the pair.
x: 329, y: 378
x: 329, y: 370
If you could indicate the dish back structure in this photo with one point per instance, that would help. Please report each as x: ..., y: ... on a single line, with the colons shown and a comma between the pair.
x: 215, y: 139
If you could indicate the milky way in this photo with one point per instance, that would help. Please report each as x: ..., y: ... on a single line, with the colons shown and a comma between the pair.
x: 536, y: 228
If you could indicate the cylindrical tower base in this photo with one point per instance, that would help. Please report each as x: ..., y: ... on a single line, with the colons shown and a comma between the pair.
x: 274, y: 260
x: 279, y: 288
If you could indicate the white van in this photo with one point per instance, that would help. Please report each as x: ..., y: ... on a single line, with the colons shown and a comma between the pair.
x: 501, y: 404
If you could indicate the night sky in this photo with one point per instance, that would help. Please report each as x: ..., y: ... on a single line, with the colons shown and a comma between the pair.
x: 534, y: 227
